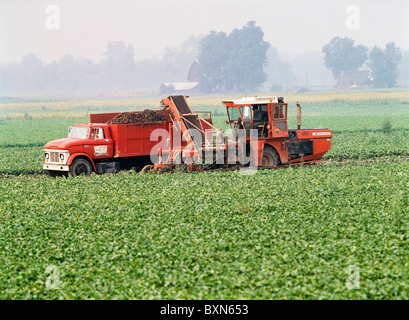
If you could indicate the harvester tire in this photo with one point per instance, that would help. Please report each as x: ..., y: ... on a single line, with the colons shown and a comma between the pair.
x: 79, y: 167
x: 270, y: 158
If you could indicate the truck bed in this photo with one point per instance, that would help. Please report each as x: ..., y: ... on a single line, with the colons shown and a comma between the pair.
x: 132, y: 140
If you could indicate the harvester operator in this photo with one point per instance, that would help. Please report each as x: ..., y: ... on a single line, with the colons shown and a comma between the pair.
x: 258, y: 117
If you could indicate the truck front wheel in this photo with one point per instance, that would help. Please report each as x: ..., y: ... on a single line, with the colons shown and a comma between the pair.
x: 79, y: 167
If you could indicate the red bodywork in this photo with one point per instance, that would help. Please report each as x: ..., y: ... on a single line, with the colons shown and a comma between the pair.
x: 116, y: 145
x: 131, y: 140
x: 288, y: 143
x: 119, y: 141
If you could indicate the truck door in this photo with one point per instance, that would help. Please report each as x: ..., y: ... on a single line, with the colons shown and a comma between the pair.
x: 100, y: 146
x: 278, y: 118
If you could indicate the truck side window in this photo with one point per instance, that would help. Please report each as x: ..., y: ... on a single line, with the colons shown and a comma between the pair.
x: 100, y: 133
x: 97, y: 133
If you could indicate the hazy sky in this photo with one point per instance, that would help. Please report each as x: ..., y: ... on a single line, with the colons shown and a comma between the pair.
x: 293, y: 26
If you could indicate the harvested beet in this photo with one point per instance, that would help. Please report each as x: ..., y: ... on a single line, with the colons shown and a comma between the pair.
x: 143, y: 117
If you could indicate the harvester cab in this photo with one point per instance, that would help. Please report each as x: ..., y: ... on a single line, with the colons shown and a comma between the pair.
x: 268, y: 115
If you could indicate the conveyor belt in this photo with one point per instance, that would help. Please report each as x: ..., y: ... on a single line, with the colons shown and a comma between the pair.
x: 184, y: 113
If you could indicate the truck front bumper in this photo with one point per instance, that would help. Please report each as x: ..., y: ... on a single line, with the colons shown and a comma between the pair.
x: 55, y: 167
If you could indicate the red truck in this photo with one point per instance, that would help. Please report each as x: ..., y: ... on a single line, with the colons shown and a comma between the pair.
x: 100, y: 147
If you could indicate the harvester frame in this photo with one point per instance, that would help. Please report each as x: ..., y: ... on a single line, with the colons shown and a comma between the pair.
x: 273, y: 146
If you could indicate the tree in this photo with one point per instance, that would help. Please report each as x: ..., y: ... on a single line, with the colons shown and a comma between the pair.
x: 176, y: 61
x: 249, y: 51
x: 29, y: 74
x: 213, y: 57
x: 279, y: 73
x: 234, y: 61
x: 119, y: 65
x: 342, y: 55
x: 404, y: 68
x: 384, y: 65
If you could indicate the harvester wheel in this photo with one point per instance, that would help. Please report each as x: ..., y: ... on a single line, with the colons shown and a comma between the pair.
x: 79, y: 167
x: 270, y: 158
x: 147, y: 168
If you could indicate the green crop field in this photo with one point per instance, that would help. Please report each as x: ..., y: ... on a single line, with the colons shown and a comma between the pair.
x: 291, y: 233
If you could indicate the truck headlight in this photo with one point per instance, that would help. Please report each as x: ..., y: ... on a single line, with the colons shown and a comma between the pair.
x: 47, y: 156
x: 61, y: 156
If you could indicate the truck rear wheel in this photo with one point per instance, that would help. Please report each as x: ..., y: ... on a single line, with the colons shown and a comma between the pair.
x: 79, y: 167
x: 270, y: 158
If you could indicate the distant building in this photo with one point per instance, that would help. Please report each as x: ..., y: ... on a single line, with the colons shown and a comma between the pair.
x: 192, y: 86
x: 179, y: 87
x: 353, y: 79
x: 195, y: 72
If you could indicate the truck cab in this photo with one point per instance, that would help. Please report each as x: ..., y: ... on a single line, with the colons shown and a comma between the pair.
x: 86, y: 142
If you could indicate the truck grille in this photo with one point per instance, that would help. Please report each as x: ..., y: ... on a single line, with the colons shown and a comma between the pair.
x: 54, y: 156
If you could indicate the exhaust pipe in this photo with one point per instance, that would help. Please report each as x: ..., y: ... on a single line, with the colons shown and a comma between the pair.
x: 298, y: 116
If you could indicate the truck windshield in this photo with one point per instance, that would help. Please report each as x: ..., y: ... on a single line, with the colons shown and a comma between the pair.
x: 79, y: 132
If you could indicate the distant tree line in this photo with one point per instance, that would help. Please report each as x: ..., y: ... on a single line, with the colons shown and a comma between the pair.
x: 241, y: 61
x: 117, y: 72
x: 341, y: 54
